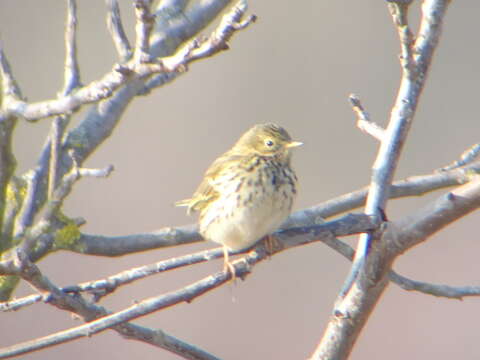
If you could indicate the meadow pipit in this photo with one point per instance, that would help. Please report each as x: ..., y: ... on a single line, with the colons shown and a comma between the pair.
x: 248, y: 191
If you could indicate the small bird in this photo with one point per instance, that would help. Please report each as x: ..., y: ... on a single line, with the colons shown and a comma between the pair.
x: 248, y: 191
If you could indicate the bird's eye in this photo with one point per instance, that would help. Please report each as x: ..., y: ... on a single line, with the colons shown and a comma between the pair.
x: 269, y: 143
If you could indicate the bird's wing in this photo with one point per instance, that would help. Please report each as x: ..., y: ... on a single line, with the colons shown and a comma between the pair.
x: 206, y: 191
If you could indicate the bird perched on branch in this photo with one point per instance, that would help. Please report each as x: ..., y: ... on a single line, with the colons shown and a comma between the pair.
x: 248, y: 191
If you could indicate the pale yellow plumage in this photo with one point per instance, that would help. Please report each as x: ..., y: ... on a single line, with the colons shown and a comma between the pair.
x: 248, y: 191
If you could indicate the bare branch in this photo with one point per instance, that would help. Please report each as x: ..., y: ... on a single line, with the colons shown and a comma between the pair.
x: 363, y: 119
x: 398, y: 237
x: 438, y: 290
x: 93, y: 92
x: 394, y: 137
x: 65, y: 186
x: 55, y: 138
x: 72, y: 71
x: 287, y: 238
x: 435, y: 216
x: 115, y: 26
x: 469, y: 201
x: 143, y: 29
x: 101, y: 245
x: 101, y: 120
x: 10, y: 92
x: 412, y: 186
x: 142, y: 308
x: 242, y: 266
x: 58, y: 196
x: 466, y: 158
x: 10, y: 89
x: 399, y: 12
x: 19, y: 263
x: 447, y: 291
x: 367, y: 279
x: 123, y: 74
x: 231, y: 22
x: 25, y: 215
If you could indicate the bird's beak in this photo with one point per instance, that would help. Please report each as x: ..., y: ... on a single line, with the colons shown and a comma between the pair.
x: 294, y: 144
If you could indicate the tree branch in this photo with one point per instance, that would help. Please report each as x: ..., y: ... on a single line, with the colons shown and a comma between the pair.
x: 10, y: 92
x: 439, y: 290
x: 143, y: 29
x: 101, y: 120
x: 20, y: 264
x: 460, y: 202
x: 467, y: 157
x: 363, y: 119
x: 243, y: 266
x: 101, y: 245
x: 368, y: 276
x: 115, y: 26
x: 72, y: 70
x: 398, y: 237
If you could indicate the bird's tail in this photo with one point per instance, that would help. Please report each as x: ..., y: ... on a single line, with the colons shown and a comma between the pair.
x: 185, y: 202
x: 188, y: 204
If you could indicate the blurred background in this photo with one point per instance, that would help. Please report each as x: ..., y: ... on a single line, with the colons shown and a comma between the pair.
x: 296, y: 67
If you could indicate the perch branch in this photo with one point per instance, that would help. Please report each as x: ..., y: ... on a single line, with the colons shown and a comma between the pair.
x: 287, y: 238
x: 243, y: 266
x: 413, y: 186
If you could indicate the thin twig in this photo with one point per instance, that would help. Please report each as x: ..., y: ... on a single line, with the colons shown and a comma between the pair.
x: 218, y: 40
x: 65, y: 186
x: 58, y: 196
x: 363, y: 119
x: 468, y: 156
x: 143, y: 29
x: 72, y: 70
x: 438, y: 290
x: 399, y: 13
x: 10, y: 88
x: 115, y: 26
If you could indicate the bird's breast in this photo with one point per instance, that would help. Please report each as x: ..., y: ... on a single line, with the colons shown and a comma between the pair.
x: 249, y: 205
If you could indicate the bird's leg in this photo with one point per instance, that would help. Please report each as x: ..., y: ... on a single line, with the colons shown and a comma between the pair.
x: 271, y: 243
x: 227, y: 265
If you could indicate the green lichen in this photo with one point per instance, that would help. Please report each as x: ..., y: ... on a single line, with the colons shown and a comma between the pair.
x: 15, y: 192
x: 67, y: 237
x: 7, y: 285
